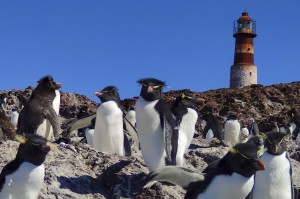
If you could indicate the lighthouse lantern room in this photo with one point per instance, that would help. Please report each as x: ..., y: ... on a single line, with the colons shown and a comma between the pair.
x: 243, y: 72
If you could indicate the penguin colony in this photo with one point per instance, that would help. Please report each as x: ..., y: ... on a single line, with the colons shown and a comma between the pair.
x: 256, y: 166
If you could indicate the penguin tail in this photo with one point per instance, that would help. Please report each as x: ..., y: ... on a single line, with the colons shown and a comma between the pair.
x: 174, y: 175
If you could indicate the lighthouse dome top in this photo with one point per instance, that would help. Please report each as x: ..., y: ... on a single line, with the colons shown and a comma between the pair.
x: 244, y: 17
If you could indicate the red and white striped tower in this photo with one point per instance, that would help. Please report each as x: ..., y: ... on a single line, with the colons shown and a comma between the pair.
x: 243, y: 72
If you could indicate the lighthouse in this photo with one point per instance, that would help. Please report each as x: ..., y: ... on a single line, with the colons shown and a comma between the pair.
x: 243, y: 72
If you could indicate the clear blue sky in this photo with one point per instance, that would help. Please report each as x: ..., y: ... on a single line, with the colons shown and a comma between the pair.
x: 89, y: 44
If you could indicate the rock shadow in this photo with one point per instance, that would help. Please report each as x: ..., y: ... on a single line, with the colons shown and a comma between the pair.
x: 123, y: 181
x: 82, y: 185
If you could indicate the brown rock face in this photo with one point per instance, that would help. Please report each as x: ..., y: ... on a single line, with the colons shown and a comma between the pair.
x: 78, y: 171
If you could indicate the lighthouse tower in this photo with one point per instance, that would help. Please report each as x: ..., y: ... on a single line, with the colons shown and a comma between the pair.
x: 243, y: 72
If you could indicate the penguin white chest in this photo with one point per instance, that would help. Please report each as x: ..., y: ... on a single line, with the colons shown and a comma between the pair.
x: 244, y: 134
x: 233, y: 186
x: 232, y: 132
x: 43, y: 128
x: 14, y: 116
x: 275, y: 181
x: 186, y: 133
x: 210, y: 134
x: 130, y: 116
x: 292, y: 127
x: 56, y: 102
x: 25, y: 183
x: 89, y: 134
x: 108, y: 133
x: 150, y: 134
x: 187, y: 126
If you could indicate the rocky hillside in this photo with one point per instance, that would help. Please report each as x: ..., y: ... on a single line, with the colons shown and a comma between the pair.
x: 78, y: 171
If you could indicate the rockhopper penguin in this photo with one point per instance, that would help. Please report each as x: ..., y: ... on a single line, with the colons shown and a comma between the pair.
x: 186, y: 118
x: 108, y: 135
x: 231, y: 177
x: 23, y: 177
x: 276, y: 181
x: 232, y: 130
x: 212, y: 127
x: 155, y: 124
x: 39, y: 109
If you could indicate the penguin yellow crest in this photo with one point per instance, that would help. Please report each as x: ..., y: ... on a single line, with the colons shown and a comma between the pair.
x: 287, y: 136
x: 21, y: 139
x: 261, y: 151
x: 233, y: 151
x: 183, y: 96
x: 262, y: 135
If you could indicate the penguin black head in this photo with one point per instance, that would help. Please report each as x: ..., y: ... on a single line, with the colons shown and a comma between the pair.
x: 243, y: 159
x: 186, y: 100
x: 205, y: 115
x: 108, y: 93
x: 257, y: 140
x: 232, y: 116
x: 151, y: 88
x: 275, y: 142
x: 48, y: 82
x: 33, y: 149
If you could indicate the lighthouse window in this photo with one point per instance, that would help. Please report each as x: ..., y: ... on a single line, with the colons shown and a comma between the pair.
x: 250, y: 73
x: 248, y: 24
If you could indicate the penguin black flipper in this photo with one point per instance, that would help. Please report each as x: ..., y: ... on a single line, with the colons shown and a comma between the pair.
x: 176, y: 175
x: 127, y: 147
x: 167, y: 131
x: 130, y: 129
x: 205, y: 130
x: 191, y: 181
x: 51, y: 115
x: 174, y: 142
x: 8, y: 169
x: 213, y: 123
x: 249, y: 195
x: 171, y: 134
x: 255, y: 129
x: 82, y: 122
x: 21, y: 115
x: 167, y: 122
x: 291, y: 175
x: 213, y: 165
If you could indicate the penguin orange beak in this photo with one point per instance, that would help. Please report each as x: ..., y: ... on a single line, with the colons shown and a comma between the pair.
x: 259, y: 165
x: 58, y: 85
x: 98, y: 94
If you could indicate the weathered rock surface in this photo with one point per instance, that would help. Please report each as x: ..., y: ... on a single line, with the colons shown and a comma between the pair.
x: 78, y: 171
